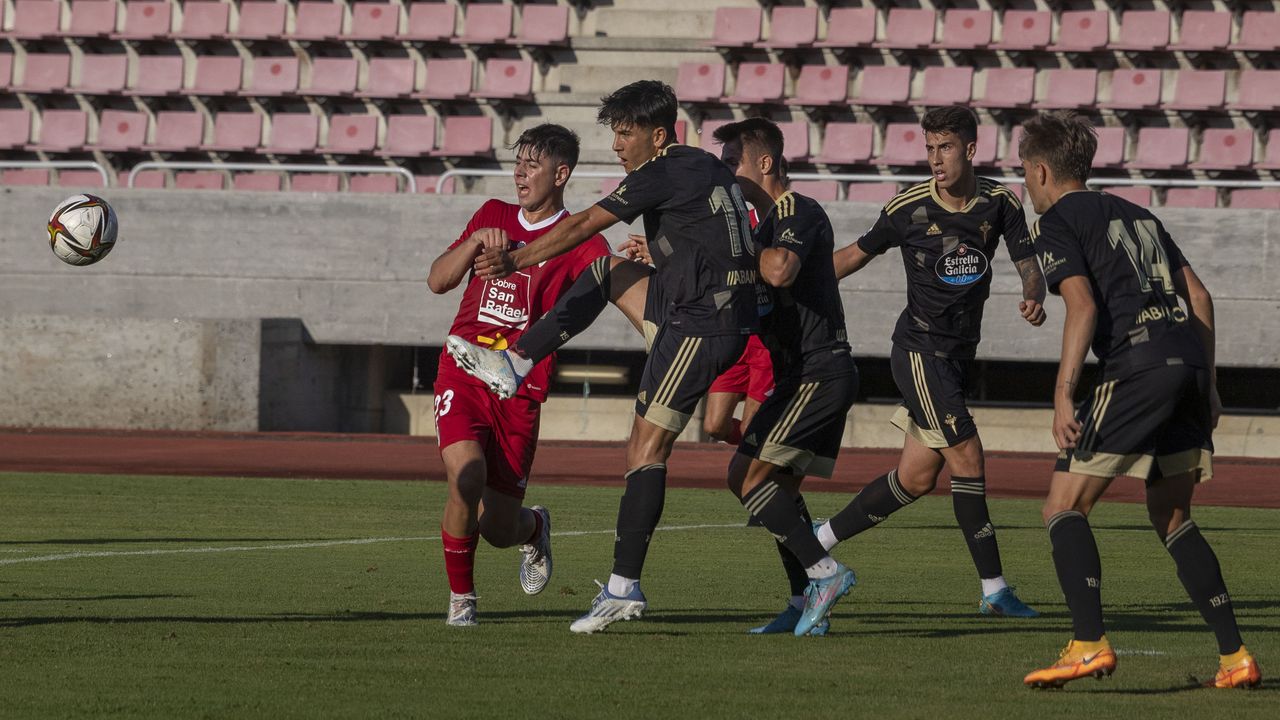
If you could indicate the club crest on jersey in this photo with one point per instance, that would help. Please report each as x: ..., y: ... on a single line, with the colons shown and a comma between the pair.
x: 964, y: 265
x: 505, y: 301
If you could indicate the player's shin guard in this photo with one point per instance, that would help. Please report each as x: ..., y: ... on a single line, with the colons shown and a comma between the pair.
x: 460, y: 561
x: 780, y: 516
x: 969, y: 500
x: 796, y: 576
x: 1075, y: 556
x: 1201, y: 575
x: 574, y: 312
x: 638, y: 514
x: 877, y: 501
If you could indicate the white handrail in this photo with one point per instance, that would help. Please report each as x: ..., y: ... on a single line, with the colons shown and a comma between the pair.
x: 411, y: 185
x: 478, y: 172
x: 61, y: 165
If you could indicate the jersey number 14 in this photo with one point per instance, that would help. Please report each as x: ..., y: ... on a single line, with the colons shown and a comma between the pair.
x: 1147, y: 255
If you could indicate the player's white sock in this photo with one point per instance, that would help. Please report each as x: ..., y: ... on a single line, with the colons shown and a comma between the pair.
x: 826, y: 567
x: 797, y: 602
x: 620, y: 586
x: 521, y: 365
x: 993, y: 585
x: 827, y: 536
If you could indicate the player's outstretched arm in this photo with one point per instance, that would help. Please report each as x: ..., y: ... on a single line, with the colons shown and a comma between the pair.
x: 448, y: 270
x: 568, y: 234
x: 1200, y: 304
x: 850, y: 259
x: 1033, y: 291
x: 779, y: 266
x: 1077, y: 331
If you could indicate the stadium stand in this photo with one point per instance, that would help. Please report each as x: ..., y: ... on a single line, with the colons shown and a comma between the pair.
x: 409, y: 136
x: 390, y: 77
x: 1203, y: 31
x: 352, y: 134
x: 217, y: 75
x: 272, y: 77
x: 485, y: 24
x: 1133, y: 89
x: 946, y: 86
x: 177, y: 131
x: 903, y: 145
x: 965, y: 30
x: 157, y: 75
x: 15, y: 128
x: 1006, y: 88
x: 1137, y: 194
x: 1160, y: 148
x: 1073, y: 89
x: 846, y: 143
x: 506, y: 80
x: 45, y: 73
x: 92, y: 19
x: 1191, y: 197
x: 101, y: 74
x: 1082, y: 31
x: 882, y: 85
x: 121, y: 130
x: 1258, y: 32
x: 262, y: 20
x: 146, y: 20
x: 293, y: 133
x: 819, y: 85
x: 374, y: 21
x: 1225, y: 149
x: 736, y: 27
x: 332, y: 77
x: 1198, y: 90
x: 1256, y: 199
x: 1258, y: 90
x: 700, y: 82
x: 1143, y: 31
x: 908, y: 29
x: 791, y: 28
x: 79, y: 178
x: 36, y: 19
x: 850, y: 27
x: 543, y: 25
x: 758, y: 84
x: 318, y: 21
x: 447, y: 79
x: 204, y: 20
x: 1024, y: 30
x: 62, y: 131
x: 430, y: 22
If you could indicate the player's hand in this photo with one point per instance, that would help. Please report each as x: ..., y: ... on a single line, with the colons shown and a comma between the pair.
x: 1032, y: 312
x: 637, y: 248
x: 494, y: 263
x: 1066, y: 430
x: 1215, y: 405
x: 490, y: 238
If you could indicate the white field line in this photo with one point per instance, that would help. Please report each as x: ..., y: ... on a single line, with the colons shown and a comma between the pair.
x: 307, y: 545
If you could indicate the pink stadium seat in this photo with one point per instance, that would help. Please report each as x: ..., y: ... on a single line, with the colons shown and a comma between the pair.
x: 795, y: 140
x: 908, y: 29
x: 1271, y: 160
x: 758, y: 83
x: 883, y: 85
x: 706, y: 135
x: 431, y: 21
x: 45, y: 72
x: 293, y: 133
x: 373, y: 21
x: 431, y: 184
x: 506, y: 79
x: 409, y: 136
x: 1082, y: 31
x: 352, y: 134
x: 1258, y: 90
x: 987, y: 144
x: 447, y: 79
x: 199, y: 180
x: 121, y: 130
x: 217, y: 75
x: 177, y: 131
x: 869, y: 192
x: 1010, y: 157
x: 315, y: 182
x: 236, y: 132
x: 1256, y: 199
x: 273, y: 76
x: 261, y: 20
x: 1111, y: 147
x: 6, y: 70
x: 1024, y: 30
x: 846, y: 143
x: 1184, y: 197
x: 946, y: 86
x: 822, y: 85
x: 35, y: 19
x: 147, y: 179
x: 1007, y: 88
x: 102, y: 74
x: 333, y: 77
x: 1198, y: 90
x: 736, y: 26
x: 15, y: 128
x: 92, y: 18
x: 820, y: 190
x: 543, y: 25
x: 1203, y: 31
x: 374, y: 183
x: 1076, y: 88
x: 850, y: 27
x: 157, y: 75
x: 318, y: 21
x: 486, y: 24
x: 62, y: 131
x: 390, y: 77
x: 24, y: 176
x: 1136, y: 194
x: 1225, y: 149
x: 467, y: 136
x: 80, y: 178
x: 1134, y: 90
x: 146, y: 19
x: 257, y: 181
x: 206, y: 19
x: 699, y: 82
x: 1143, y: 30
x: 965, y: 30
x: 903, y: 145
x: 1258, y: 31
x: 1161, y: 148
x: 792, y: 27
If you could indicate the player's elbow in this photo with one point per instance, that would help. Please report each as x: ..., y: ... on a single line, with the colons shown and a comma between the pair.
x: 439, y: 285
x: 1198, y: 297
x: 777, y: 274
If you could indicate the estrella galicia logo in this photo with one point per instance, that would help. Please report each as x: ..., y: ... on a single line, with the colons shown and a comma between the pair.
x: 965, y: 265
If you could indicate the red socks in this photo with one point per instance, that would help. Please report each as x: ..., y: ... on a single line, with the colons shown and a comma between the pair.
x: 460, y: 562
x: 735, y: 433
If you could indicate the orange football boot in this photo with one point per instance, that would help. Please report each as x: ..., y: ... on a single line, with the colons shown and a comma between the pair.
x: 1238, y: 670
x: 1078, y: 659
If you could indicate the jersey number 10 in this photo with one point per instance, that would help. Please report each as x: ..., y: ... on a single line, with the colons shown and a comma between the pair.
x: 1147, y: 256
x: 730, y: 202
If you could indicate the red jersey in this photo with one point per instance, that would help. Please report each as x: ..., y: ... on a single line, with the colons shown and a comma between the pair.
x: 493, y: 313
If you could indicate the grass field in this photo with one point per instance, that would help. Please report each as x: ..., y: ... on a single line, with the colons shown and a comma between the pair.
x: 195, y: 597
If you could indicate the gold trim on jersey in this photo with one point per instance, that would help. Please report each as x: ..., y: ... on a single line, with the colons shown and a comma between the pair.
x: 1097, y: 411
x: 996, y: 189
x: 786, y: 204
x: 922, y: 391
x: 1035, y: 230
x: 666, y: 418
x: 675, y: 374
x: 791, y: 414
x: 910, y: 195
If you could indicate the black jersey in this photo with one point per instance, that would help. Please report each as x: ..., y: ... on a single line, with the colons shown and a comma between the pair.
x: 804, y: 329
x: 695, y: 220
x: 947, y: 255
x: 1129, y: 260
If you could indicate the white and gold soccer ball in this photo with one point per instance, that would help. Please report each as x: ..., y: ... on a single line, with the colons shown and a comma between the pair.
x: 82, y: 229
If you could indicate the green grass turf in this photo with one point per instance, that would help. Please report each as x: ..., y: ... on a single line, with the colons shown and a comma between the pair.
x: 357, y: 630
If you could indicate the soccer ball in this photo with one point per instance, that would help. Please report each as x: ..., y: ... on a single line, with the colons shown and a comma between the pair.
x: 82, y: 229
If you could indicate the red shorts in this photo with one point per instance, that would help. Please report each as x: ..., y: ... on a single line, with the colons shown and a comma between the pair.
x: 752, y: 375
x: 507, y: 430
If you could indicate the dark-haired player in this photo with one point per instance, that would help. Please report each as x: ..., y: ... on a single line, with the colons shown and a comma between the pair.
x: 948, y: 229
x: 488, y: 444
x: 1152, y: 412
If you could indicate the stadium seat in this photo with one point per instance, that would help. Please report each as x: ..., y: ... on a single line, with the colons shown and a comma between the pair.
x: 145, y: 20
x: 1185, y: 197
x: 217, y: 75
x: 6, y: 70
x: 373, y: 183
x: 506, y: 79
x: 318, y: 21
x: 706, y: 134
x: 315, y: 182
x: 293, y: 133
x: 92, y: 19
x: 1082, y: 31
x: 157, y: 75
x: 45, y: 73
x: 1069, y: 89
x: 1258, y: 90
x: 883, y: 85
x: 447, y: 79
x: 821, y: 85
x: 870, y: 192
x: 758, y: 83
x: 700, y: 82
x: 431, y: 184
x: 373, y: 21
x: 1198, y: 90
x: 205, y: 20
x: 987, y: 145
x: 1024, y: 30
x: 965, y: 30
x: 736, y: 27
x: 15, y: 128
x: 177, y: 131
x: 409, y: 136
x: 946, y: 86
x: 1256, y: 199
x: 820, y: 190
x: 236, y: 132
x: 543, y: 25
x: 80, y: 178
x: 908, y: 29
x: 795, y: 140
x: 273, y: 77
x: 791, y: 27
x: 1136, y: 194
x: 903, y: 145
x: 846, y: 143
x: 1271, y: 158
x: 850, y: 27
x: 1203, y: 31
x: 1143, y: 31
x: 467, y: 136
x: 257, y: 181
x: 36, y: 19
x: 102, y: 74
x: 24, y: 176
x: 486, y: 24
x: 332, y: 77
x: 1010, y: 158
x: 121, y: 130
x: 1006, y: 88
x: 199, y: 180
x: 261, y: 20
x: 1258, y: 31
x: 62, y: 131
x: 1225, y: 149
x: 147, y: 179
x: 1111, y: 147
x: 1134, y: 90
x: 352, y: 134
x: 430, y: 22
x: 390, y: 77
x: 1161, y: 148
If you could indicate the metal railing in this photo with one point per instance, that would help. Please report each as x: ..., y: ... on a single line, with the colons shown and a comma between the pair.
x: 469, y: 172
x: 60, y: 165
x: 410, y: 184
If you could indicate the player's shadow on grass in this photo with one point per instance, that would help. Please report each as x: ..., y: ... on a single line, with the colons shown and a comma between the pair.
x: 522, y: 616
x: 91, y: 598
x: 113, y: 541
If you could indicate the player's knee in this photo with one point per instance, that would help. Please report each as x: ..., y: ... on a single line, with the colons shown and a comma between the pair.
x: 717, y: 429
x: 737, y: 473
x: 920, y: 483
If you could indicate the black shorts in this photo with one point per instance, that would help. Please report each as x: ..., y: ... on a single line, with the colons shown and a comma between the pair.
x: 801, y: 425
x: 1151, y: 424
x: 933, y: 398
x: 679, y: 371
